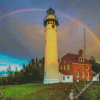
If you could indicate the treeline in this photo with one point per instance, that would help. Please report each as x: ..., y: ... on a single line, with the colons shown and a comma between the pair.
x: 95, y: 66
x: 32, y: 72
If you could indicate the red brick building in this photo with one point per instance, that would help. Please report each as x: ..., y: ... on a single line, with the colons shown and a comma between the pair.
x: 76, y: 66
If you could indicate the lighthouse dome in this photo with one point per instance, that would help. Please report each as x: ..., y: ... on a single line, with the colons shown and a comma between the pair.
x: 50, y: 11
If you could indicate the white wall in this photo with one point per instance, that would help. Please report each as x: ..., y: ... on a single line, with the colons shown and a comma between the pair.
x: 95, y: 78
x: 66, y: 78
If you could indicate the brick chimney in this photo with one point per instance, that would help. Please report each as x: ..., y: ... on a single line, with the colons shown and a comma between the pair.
x: 80, y: 52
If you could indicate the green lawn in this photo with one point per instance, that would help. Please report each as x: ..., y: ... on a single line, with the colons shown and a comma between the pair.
x: 23, y: 91
x: 40, y: 91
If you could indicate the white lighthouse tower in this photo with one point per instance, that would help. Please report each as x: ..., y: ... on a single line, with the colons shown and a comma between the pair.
x: 51, y: 72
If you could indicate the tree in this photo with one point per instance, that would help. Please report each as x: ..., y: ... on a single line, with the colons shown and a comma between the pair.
x: 92, y: 60
x: 21, y: 76
x: 23, y: 66
x: 32, y: 61
x: 16, y: 76
x: 95, y: 65
x: 10, y: 76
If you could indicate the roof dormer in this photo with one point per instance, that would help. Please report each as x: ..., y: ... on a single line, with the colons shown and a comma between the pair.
x: 81, y: 58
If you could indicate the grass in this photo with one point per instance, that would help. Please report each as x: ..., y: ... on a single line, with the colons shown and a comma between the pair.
x: 40, y: 91
x: 20, y: 91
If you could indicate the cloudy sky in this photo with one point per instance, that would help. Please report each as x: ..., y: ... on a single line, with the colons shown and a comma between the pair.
x: 22, y: 33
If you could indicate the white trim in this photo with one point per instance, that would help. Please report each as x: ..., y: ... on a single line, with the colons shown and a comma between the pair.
x: 80, y: 58
x: 87, y: 67
x: 82, y: 74
x: 64, y: 67
x: 68, y: 67
x: 77, y: 74
x: 87, y: 74
x: 46, y: 81
x: 82, y: 64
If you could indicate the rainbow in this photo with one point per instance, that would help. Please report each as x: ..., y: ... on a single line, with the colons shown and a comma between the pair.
x: 40, y: 9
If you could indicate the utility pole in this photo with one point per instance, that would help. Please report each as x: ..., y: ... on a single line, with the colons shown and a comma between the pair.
x: 84, y: 59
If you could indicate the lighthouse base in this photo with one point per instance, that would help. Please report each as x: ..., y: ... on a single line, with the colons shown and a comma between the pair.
x: 49, y: 81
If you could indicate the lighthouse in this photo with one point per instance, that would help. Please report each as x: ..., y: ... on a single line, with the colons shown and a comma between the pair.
x: 51, y: 72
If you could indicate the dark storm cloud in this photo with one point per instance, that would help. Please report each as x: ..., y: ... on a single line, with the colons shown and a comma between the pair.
x: 10, y: 44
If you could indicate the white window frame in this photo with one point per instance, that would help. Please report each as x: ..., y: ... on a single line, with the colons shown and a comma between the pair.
x: 68, y: 67
x: 81, y: 59
x: 87, y: 74
x: 77, y: 74
x: 64, y: 67
x: 82, y: 74
x: 87, y: 67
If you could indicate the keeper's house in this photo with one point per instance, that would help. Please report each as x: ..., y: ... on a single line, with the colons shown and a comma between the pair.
x: 73, y: 67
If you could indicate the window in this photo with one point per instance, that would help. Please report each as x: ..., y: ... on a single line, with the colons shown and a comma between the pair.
x: 64, y: 67
x: 68, y: 67
x: 82, y: 74
x: 64, y: 61
x: 77, y: 74
x: 81, y: 59
x: 68, y: 77
x: 61, y: 68
x: 87, y: 67
x: 63, y: 77
x: 87, y: 74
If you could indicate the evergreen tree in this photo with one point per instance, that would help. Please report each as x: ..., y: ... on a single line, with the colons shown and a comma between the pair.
x: 95, y: 65
x: 10, y: 76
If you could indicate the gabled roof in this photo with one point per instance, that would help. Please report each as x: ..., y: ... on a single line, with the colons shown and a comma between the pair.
x: 93, y: 73
x: 74, y: 58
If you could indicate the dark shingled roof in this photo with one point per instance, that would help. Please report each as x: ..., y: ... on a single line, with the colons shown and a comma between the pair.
x: 74, y: 58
